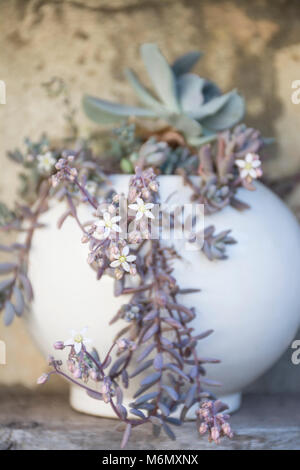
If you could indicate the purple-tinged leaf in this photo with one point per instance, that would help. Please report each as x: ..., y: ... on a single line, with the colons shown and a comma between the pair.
x: 151, y: 379
x: 7, y: 267
x: 141, y: 367
x: 204, y: 334
x: 158, y: 361
x: 178, y: 371
x: 165, y: 341
x: 151, y: 315
x: 107, y: 362
x: 144, y: 398
x: 117, y: 364
x: 94, y: 394
x: 174, y: 421
x: 150, y: 332
x: 126, y: 436
x: 138, y: 413
x: 169, y: 431
x: 156, y: 420
x: 188, y: 291
x: 9, y: 313
x: 171, y: 321
x: 190, y: 396
x: 118, y: 287
x: 6, y: 283
x: 119, y: 395
x: 208, y: 360
x: 125, y: 378
x: 171, y: 392
x: 26, y: 286
x: 142, y: 390
x: 164, y: 409
x: 122, y: 410
x: 211, y: 383
x: 146, y: 352
x: 19, y: 301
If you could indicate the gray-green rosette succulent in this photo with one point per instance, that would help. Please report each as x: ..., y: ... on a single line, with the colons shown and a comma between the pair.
x: 193, y: 105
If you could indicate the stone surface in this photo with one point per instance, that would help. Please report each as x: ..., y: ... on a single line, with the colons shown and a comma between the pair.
x: 254, y: 46
x: 32, y: 421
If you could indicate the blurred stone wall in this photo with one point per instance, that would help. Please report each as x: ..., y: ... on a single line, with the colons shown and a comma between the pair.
x: 253, y: 46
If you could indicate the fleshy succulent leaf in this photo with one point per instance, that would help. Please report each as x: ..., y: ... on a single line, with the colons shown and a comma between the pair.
x: 186, y: 62
x: 105, y: 112
x: 143, y: 94
x: 190, y: 95
x: 211, y: 107
x: 229, y: 115
x: 190, y: 127
x: 161, y: 75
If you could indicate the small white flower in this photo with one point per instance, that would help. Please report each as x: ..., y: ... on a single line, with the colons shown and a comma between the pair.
x: 142, y: 209
x: 46, y: 162
x: 78, y: 339
x: 122, y: 259
x: 249, y: 167
x: 109, y: 224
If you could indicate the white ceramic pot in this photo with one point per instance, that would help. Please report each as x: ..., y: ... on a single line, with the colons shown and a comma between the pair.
x: 251, y: 300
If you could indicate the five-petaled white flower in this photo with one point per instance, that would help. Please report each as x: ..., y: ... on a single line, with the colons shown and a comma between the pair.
x: 46, y: 162
x: 249, y: 167
x: 78, y: 339
x: 109, y: 224
x: 122, y: 259
x: 142, y: 209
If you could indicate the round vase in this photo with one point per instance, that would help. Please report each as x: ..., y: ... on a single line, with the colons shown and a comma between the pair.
x: 251, y: 300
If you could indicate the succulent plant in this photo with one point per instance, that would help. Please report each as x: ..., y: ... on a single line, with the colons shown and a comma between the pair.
x: 193, y: 105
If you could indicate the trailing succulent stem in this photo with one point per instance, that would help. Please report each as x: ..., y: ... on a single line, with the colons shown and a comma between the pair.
x: 158, y: 340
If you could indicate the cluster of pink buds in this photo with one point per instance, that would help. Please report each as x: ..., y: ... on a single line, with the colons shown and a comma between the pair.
x: 64, y: 171
x: 124, y: 344
x: 213, y: 421
x: 106, y: 390
x: 142, y: 184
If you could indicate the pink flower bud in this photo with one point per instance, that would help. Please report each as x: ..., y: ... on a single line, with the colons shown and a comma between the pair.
x: 42, y: 379
x: 215, y: 434
x: 203, y: 428
x: 77, y: 373
x: 71, y: 366
x: 59, y: 345
x: 227, y: 430
x: 93, y: 375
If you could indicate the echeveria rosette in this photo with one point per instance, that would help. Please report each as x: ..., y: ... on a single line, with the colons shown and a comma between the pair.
x: 193, y: 105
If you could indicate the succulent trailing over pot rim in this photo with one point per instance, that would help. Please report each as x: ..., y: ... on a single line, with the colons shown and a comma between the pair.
x: 193, y: 105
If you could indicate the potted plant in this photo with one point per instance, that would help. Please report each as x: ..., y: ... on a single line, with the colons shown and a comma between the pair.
x: 151, y: 301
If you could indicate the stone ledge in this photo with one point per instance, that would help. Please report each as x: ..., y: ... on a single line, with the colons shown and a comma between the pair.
x: 38, y: 421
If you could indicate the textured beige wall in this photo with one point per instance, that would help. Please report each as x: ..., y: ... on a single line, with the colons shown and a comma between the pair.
x: 254, y: 46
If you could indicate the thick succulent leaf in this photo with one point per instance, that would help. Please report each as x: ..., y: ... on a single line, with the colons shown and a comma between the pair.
x: 228, y: 116
x: 210, y: 91
x: 9, y: 313
x: 161, y: 75
x: 106, y: 112
x: 143, y: 94
x: 211, y: 107
x: 186, y: 62
x: 189, y: 87
x: 182, y: 122
x: 19, y: 301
